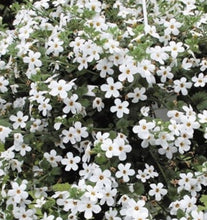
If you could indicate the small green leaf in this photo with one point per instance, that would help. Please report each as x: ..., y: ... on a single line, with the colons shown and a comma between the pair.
x: 61, y: 187
x: 139, y: 188
x: 76, y: 193
x: 49, y: 204
x: 56, y: 171
x: 203, y: 199
x: 123, y: 189
x: 112, y: 134
x: 122, y: 123
x: 180, y: 213
x: 101, y: 159
x: 4, y: 123
x: 45, y: 164
x: 2, y: 149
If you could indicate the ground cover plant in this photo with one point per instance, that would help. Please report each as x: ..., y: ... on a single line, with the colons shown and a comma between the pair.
x: 103, y: 110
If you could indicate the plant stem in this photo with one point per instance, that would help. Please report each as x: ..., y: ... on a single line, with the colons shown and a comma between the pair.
x: 159, y: 166
x: 145, y: 13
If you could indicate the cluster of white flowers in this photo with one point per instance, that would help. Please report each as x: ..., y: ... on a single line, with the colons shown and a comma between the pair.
x: 79, y: 133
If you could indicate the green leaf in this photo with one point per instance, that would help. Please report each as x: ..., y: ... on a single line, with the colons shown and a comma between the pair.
x: 82, y: 90
x: 4, y: 123
x: 2, y: 149
x: 139, y: 188
x: 101, y: 159
x: 199, y: 100
x: 180, y: 213
x: 123, y: 189
x: 45, y: 164
x: 122, y: 123
x: 112, y: 134
x: 61, y: 187
x: 49, y: 204
x: 85, y: 102
x: 203, y: 199
x: 56, y: 171
x: 172, y: 193
x: 76, y: 193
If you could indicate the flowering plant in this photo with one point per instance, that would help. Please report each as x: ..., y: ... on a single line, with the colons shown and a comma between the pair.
x: 103, y: 110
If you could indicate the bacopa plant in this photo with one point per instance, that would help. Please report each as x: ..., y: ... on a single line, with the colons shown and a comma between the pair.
x: 103, y: 110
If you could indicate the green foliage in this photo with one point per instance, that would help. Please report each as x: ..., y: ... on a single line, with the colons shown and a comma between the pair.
x: 139, y: 188
x: 61, y: 187
x: 203, y: 207
x: 2, y: 147
x: 199, y: 100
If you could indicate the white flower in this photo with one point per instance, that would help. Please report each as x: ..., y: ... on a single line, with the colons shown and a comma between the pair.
x: 60, y: 88
x: 23, y: 148
x: 72, y: 105
x: 111, y: 88
x: 101, y: 177
x: 98, y: 103
x: 112, y: 214
x: 88, y: 207
x: 69, y: 135
x: 22, y: 214
x: 33, y: 59
x: 202, y: 116
x: 110, y: 147
x: 163, y: 139
x: 55, y: 46
x: 182, y: 144
x: 142, y: 175
x: 79, y: 131
x: 83, y: 62
x: 200, y: 81
x: 146, y: 70
x: 168, y: 151
x: 149, y: 170
x: 93, y: 193
x: 196, y: 215
x: 52, y: 158
x: 165, y: 73
x: 175, y: 48
x: 40, y: 202
x: 105, y: 66
x: 127, y: 72
x: 3, y: 83
x: 157, y: 191
x: 187, y: 182
x: 108, y: 196
x: 185, y: 64
x: 158, y: 54
x: 124, y: 171
x: 134, y: 208
x: 182, y: 85
x: 203, y: 65
x: 151, y: 30
x: 19, y: 120
x: 122, y: 148
x: 145, y: 110
x: 45, y: 107
x: 111, y: 45
x: 18, y: 192
x: 120, y: 108
x: 4, y: 133
x: 143, y: 129
x: 70, y: 161
x: 46, y: 217
x: 189, y: 203
x: 137, y: 95
x: 172, y: 26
